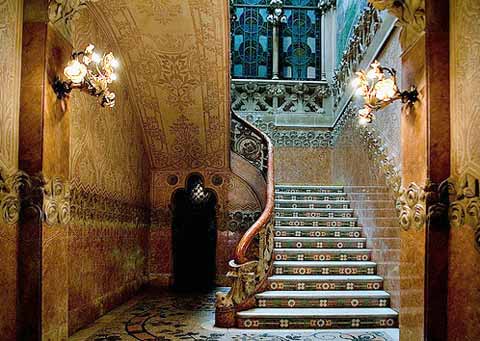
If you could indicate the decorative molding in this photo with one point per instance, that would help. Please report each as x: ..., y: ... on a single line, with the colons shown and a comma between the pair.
x: 291, y: 137
x: 240, y: 221
x: 364, y: 31
x: 278, y: 96
x: 93, y: 207
x: 326, y: 5
x: 410, y: 14
x: 411, y: 207
x: 465, y: 204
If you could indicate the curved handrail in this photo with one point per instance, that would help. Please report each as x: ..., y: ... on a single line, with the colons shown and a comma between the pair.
x: 267, y: 214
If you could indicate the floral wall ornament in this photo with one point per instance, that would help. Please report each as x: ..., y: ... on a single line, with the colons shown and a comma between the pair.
x: 465, y: 205
x: 90, y: 72
x: 378, y: 87
x: 410, y: 14
x: 56, y: 201
x: 411, y: 207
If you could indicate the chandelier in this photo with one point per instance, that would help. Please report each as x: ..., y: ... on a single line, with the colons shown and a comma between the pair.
x: 90, y: 72
x: 378, y: 87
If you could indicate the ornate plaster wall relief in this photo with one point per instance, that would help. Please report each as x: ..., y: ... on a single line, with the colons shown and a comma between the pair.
x: 411, y: 204
x: 56, y: 201
x: 290, y: 137
x: 377, y: 150
x: 10, y: 68
x: 92, y: 206
x: 10, y: 187
x: 363, y: 33
x: 465, y: 205
x: 275, y: 96
x: 411, y: 16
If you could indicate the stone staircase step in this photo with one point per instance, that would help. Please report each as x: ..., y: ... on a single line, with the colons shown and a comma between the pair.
x: 311, y: 213
x: 288, y: 231
x: 316, y: 221
x: 304, y: 318
x: 324, y: 268
x: 323, y: 254
x: 323, y: 299
x: 319, y: 243
x: 325, y: 282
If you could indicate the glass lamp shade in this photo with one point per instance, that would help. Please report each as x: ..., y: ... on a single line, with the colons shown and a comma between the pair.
x: 75, y: 71
x: 385, y: 89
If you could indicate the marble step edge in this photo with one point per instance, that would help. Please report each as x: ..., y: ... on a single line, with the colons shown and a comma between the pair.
x: 326, y: 278
x: 320, y: 239
x: 322, y: 264
x: 319, y: 294
x: 316, y: 218
x: 316, y: 312
x: 314, y: 251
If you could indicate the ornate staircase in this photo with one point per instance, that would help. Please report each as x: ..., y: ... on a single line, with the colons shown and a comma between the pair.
x: 323, y: 276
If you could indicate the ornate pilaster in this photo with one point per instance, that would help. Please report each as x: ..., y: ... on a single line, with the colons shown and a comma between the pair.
x: 411, y: 16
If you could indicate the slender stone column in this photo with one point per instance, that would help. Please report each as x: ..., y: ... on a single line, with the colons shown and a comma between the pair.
x: 276, y: 18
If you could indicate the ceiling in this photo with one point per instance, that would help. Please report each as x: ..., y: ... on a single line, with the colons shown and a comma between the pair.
x: 175, y: 57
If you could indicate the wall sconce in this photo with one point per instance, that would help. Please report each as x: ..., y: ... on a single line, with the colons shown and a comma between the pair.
x: 378, y: 87
x: 90, y: 72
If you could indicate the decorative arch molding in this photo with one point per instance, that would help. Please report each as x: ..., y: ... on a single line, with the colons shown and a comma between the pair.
x: 410, y: 14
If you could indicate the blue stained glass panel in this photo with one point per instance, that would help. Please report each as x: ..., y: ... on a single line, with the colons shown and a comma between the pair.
x: 300, y: 41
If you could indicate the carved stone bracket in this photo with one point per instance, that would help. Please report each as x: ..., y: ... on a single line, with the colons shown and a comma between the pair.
x: 465, y: 205
x: 411, y: 16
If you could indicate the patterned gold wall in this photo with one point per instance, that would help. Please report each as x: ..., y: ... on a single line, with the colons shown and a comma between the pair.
x: 10, y: 53
x: 464, y: 276
x: 110, y: 174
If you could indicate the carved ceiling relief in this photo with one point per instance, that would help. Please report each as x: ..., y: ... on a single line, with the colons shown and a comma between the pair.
x: 178, y: 70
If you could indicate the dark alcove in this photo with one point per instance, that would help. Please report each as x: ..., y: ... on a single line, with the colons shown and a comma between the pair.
x: 194, y: 236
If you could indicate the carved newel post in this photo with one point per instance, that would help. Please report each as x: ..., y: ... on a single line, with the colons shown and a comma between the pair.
x: 276, y: 18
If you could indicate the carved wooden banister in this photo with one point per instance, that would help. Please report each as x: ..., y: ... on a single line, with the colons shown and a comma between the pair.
x: 250, y: 275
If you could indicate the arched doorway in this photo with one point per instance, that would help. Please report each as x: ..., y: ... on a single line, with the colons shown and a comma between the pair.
x: 194, y: 235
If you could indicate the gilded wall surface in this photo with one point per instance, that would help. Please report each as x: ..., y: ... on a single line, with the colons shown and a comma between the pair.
x: 463, y: 276
x: 110, y: 174
x: 10, y: 52
x: 303, y: 165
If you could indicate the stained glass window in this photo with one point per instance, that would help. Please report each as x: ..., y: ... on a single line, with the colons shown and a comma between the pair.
x: 299, y: 37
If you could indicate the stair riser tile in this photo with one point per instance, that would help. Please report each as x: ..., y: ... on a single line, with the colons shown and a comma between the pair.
x: 319, y: 234
x: 322, y: 257
x: 308, y: 189
x: 319, y: 245
x: 314, y: 214
x: 323, y: 303
x: 310, y: 270
x: 333, y: 205
x: 317, y: 223
x: 330, y: 285
x: 327, y: 323
x: 312, y: 196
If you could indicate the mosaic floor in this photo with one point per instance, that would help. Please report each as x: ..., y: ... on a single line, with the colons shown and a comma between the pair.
x: 162, y: 316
